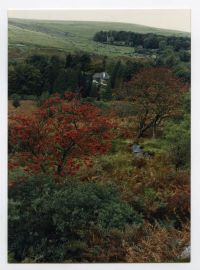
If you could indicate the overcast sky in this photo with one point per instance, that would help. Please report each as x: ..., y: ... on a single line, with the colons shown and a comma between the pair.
x: 176, y: 19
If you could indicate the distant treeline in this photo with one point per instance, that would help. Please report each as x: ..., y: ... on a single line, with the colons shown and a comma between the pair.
x: 38, y: 74
x: 148, y: 41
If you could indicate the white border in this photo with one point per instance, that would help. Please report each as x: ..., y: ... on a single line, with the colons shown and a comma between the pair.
x: 103, y: 4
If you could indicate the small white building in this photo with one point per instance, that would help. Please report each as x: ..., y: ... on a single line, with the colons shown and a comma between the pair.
x: 101, y: 78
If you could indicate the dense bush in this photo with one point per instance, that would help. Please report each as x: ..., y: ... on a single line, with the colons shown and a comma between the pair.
x: 24, y: 79
x: 15, y: 100
x: 178, y: 142
x: 50, y: 222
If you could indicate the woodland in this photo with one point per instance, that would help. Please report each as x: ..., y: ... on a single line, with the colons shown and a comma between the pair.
x: 78, y: 193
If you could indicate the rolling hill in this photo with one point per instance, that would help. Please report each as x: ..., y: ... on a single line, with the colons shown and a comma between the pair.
x: 27, y: 36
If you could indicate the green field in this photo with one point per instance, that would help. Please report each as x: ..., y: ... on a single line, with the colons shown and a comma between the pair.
x: 27, y: 36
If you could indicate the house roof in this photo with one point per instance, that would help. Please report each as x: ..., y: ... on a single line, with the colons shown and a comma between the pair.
x: 102, y: 76
x: 97, y: 76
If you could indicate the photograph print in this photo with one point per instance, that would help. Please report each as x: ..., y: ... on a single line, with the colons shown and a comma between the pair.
x: 99, y: 136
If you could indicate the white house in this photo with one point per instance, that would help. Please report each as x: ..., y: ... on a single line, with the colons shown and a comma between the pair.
x: 101, y: 78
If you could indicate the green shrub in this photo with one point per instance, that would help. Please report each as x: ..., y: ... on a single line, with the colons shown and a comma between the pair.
x: 45, y: 218
x: 16, y: 103
x: 115, y: 215
x: 15, y: 100
x: 151, y: 204
x: 177, y: 138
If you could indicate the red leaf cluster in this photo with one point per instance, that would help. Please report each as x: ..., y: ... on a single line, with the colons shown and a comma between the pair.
x: 60, y: 136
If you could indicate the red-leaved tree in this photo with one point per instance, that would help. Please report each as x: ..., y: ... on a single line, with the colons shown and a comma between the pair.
x: 60, y: 136
x: 156, y: 94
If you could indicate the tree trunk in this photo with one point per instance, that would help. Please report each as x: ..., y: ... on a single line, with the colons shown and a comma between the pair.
x: 154, y: 131
x: 139, y: 134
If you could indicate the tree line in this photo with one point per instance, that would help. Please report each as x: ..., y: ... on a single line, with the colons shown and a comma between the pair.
x: 38, y: 74
x: 148, y: 41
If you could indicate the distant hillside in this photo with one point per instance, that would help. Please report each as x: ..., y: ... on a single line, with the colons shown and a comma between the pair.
x: 25, y: 36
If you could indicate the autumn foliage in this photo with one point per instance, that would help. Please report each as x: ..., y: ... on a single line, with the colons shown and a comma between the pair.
x: 60, y: 136
x: 77, y: 192
x: 156, y: 93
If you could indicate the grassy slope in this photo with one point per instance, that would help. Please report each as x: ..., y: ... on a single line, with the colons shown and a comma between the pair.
x: 71, y: 36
